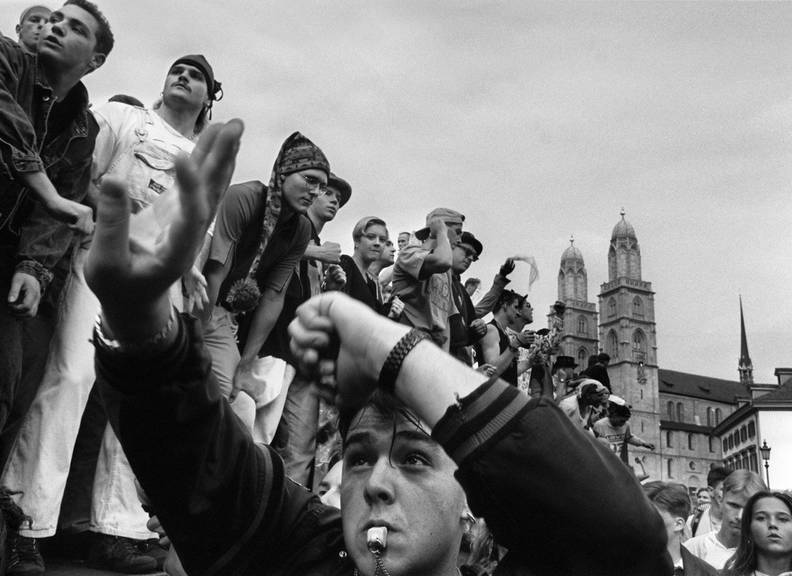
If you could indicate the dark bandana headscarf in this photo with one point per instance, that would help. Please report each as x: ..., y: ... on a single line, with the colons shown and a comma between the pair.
x: 297, y: 153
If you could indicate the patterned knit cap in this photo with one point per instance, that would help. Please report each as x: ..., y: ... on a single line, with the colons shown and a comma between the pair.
x: 299, y: 153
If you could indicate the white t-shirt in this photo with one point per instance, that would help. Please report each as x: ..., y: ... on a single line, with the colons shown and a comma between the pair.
x: 709, y: 548
x: 139, y: 146
x: 706, y: 524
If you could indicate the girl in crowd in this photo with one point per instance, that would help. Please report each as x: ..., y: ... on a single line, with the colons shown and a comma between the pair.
x: 765, y: 547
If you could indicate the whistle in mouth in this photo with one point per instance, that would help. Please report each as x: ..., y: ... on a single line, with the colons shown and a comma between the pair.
x: 377, y: 539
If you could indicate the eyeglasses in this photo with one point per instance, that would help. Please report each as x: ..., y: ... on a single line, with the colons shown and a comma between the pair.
x: 469, y: 252
x: 371, y: 237
x: 314, y: 183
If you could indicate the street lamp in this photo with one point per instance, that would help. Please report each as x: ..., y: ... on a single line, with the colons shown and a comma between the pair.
x: 765, y: 450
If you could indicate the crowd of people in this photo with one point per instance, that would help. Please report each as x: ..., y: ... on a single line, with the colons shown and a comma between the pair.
x: 196, y: 377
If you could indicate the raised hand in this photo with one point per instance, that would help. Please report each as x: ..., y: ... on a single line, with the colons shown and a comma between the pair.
x: 507, y: 267
x: 131, y: 281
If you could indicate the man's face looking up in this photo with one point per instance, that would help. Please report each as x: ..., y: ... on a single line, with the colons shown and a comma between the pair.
x: 398, y: 477
x: 68, y: 40
x: 186, y: 84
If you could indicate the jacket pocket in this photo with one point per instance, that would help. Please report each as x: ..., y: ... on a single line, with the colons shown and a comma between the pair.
x: 152, y: 172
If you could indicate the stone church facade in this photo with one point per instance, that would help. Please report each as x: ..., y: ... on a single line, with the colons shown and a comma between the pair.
x: 675, y: 411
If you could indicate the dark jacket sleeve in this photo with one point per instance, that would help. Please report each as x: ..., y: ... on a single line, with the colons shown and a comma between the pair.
x: 224, y: 501
x: 557, y: 499
x: 17, y: 135
x: 44, y: 240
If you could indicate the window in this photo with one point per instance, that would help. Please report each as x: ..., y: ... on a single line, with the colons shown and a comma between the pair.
x: 639, y: 346
x: 751, y: 429
x: 671, y: 411
x: 754, y: 463
x: 582, y: 357
x: 582, y: 325
x: 638, y: 307
x: 731, y: 441
x: 691, y: 442
x: 717, y: 416
x: 611, y: 307
x: 613, y: 345
x: 669, y: 439
x: 711, y: 444
x: 670, y: 467
x: 743, y: 434
x: 725, y: 445
x: 710, y: 416
x: 680, y: 412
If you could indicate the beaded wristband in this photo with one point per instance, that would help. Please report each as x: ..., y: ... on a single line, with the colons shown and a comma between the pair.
x: 393, y: 363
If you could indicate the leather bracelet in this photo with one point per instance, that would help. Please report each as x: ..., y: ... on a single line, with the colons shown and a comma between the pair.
x: 393, y: 363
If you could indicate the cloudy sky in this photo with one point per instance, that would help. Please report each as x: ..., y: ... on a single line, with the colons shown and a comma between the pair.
x: 537, y: 121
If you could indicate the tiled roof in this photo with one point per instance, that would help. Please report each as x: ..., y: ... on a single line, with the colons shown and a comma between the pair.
x: 781, y: 395
x: 715, y: 389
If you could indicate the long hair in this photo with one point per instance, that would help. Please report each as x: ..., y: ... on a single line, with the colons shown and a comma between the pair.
x: 743, y: 562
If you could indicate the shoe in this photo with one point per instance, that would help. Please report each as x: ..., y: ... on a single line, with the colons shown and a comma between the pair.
x: 119, y: 554
x: 24, y: 558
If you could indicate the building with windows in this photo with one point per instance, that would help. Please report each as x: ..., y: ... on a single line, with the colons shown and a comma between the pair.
x: 684, y: 415
x: 691, y: 407
x: 580, y: 338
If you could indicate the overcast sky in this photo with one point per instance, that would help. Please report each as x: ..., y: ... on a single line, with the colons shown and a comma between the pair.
x: 537, y: 121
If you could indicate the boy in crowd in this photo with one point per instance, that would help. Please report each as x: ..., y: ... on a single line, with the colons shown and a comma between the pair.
x: 422, y: 276
x: 716, y: 547
x: 46, y: 144
x: 31, y: 23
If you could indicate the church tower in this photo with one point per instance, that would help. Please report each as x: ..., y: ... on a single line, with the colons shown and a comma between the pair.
x: 627, y: 334
x: 580, y: 319
x: 745, y: 367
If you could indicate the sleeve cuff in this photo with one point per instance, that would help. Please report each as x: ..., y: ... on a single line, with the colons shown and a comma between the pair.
x: 24, y: 163
x: 138, y: 374
x: 500, y: 280
x: 38, y: 271
x: 480, y: 419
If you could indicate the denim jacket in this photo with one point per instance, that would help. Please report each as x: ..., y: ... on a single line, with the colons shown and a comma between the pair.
x: 35, y: 136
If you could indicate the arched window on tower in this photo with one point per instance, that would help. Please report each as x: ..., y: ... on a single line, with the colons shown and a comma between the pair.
x: 639, y: 346
x: 582, y: 357
x: 671, y: 411
x: 582, y: 325
x: 638, y: 311
x: 611, y: 307
x: 680, y: 409
x: 613, y: 345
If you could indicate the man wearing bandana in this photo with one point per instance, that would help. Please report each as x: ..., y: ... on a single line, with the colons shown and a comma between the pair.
x: 140, y: 146
x: 260, y: 235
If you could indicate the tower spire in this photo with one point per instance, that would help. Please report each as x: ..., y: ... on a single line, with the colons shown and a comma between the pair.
x: 745, y: 367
